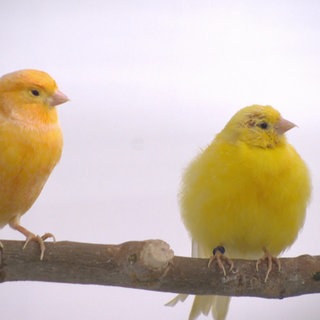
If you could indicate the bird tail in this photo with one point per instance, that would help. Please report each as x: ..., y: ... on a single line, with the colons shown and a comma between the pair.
x: 203, y: 304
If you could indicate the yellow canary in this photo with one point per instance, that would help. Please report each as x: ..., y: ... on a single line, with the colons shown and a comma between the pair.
x: 30, y: 143
x: 247, y: 193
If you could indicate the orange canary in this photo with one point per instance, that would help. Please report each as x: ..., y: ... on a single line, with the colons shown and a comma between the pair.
x: 245, y: 194
x: 30, y: 143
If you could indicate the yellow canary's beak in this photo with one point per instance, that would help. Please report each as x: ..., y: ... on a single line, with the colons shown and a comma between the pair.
x: 57, y: 98
x: 284, y: 125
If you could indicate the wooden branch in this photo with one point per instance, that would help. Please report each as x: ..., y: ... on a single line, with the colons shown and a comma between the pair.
x: 151, y: 265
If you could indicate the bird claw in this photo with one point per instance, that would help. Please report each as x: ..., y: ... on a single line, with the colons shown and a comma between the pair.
x: 47, y: 236
x: 218, y: 255
x: 269, y: 259
x: 40, y: 240
x: 32, y: 237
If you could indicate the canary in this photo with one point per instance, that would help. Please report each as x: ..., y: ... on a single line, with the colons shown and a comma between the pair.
x: 246, y: 193
x: 30, y: 143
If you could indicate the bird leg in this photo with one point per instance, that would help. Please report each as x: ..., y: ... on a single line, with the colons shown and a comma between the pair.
x: 269, y: 259
x: 32, y: 237
x: 218, y: 255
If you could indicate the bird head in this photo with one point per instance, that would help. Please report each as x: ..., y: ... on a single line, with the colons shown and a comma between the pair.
x: 30, y: 96
x: 257, y: 126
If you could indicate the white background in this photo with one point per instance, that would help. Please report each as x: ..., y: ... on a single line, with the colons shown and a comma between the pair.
x: 151, y: 83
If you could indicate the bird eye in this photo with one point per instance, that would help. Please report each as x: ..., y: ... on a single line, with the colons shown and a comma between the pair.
x: 35, y: 92
x: 263, y: 125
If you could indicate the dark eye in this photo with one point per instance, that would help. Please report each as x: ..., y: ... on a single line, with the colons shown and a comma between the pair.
x: 35, y: 92
x: 263, y: 125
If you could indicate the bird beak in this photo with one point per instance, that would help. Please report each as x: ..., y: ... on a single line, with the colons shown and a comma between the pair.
x: 57, y: 98
x: 283, y: 126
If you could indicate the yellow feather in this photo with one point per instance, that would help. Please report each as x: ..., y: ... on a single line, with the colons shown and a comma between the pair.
x: 247, y: 191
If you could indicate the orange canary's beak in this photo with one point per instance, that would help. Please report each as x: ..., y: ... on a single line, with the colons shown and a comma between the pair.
x: 57, y: 98
x: 284, y: 125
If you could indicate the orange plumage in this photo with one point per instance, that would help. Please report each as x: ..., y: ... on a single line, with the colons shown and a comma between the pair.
x: 30, y: 143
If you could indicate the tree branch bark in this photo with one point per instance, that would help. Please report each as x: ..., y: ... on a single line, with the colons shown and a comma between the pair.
x: 151, y: 265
